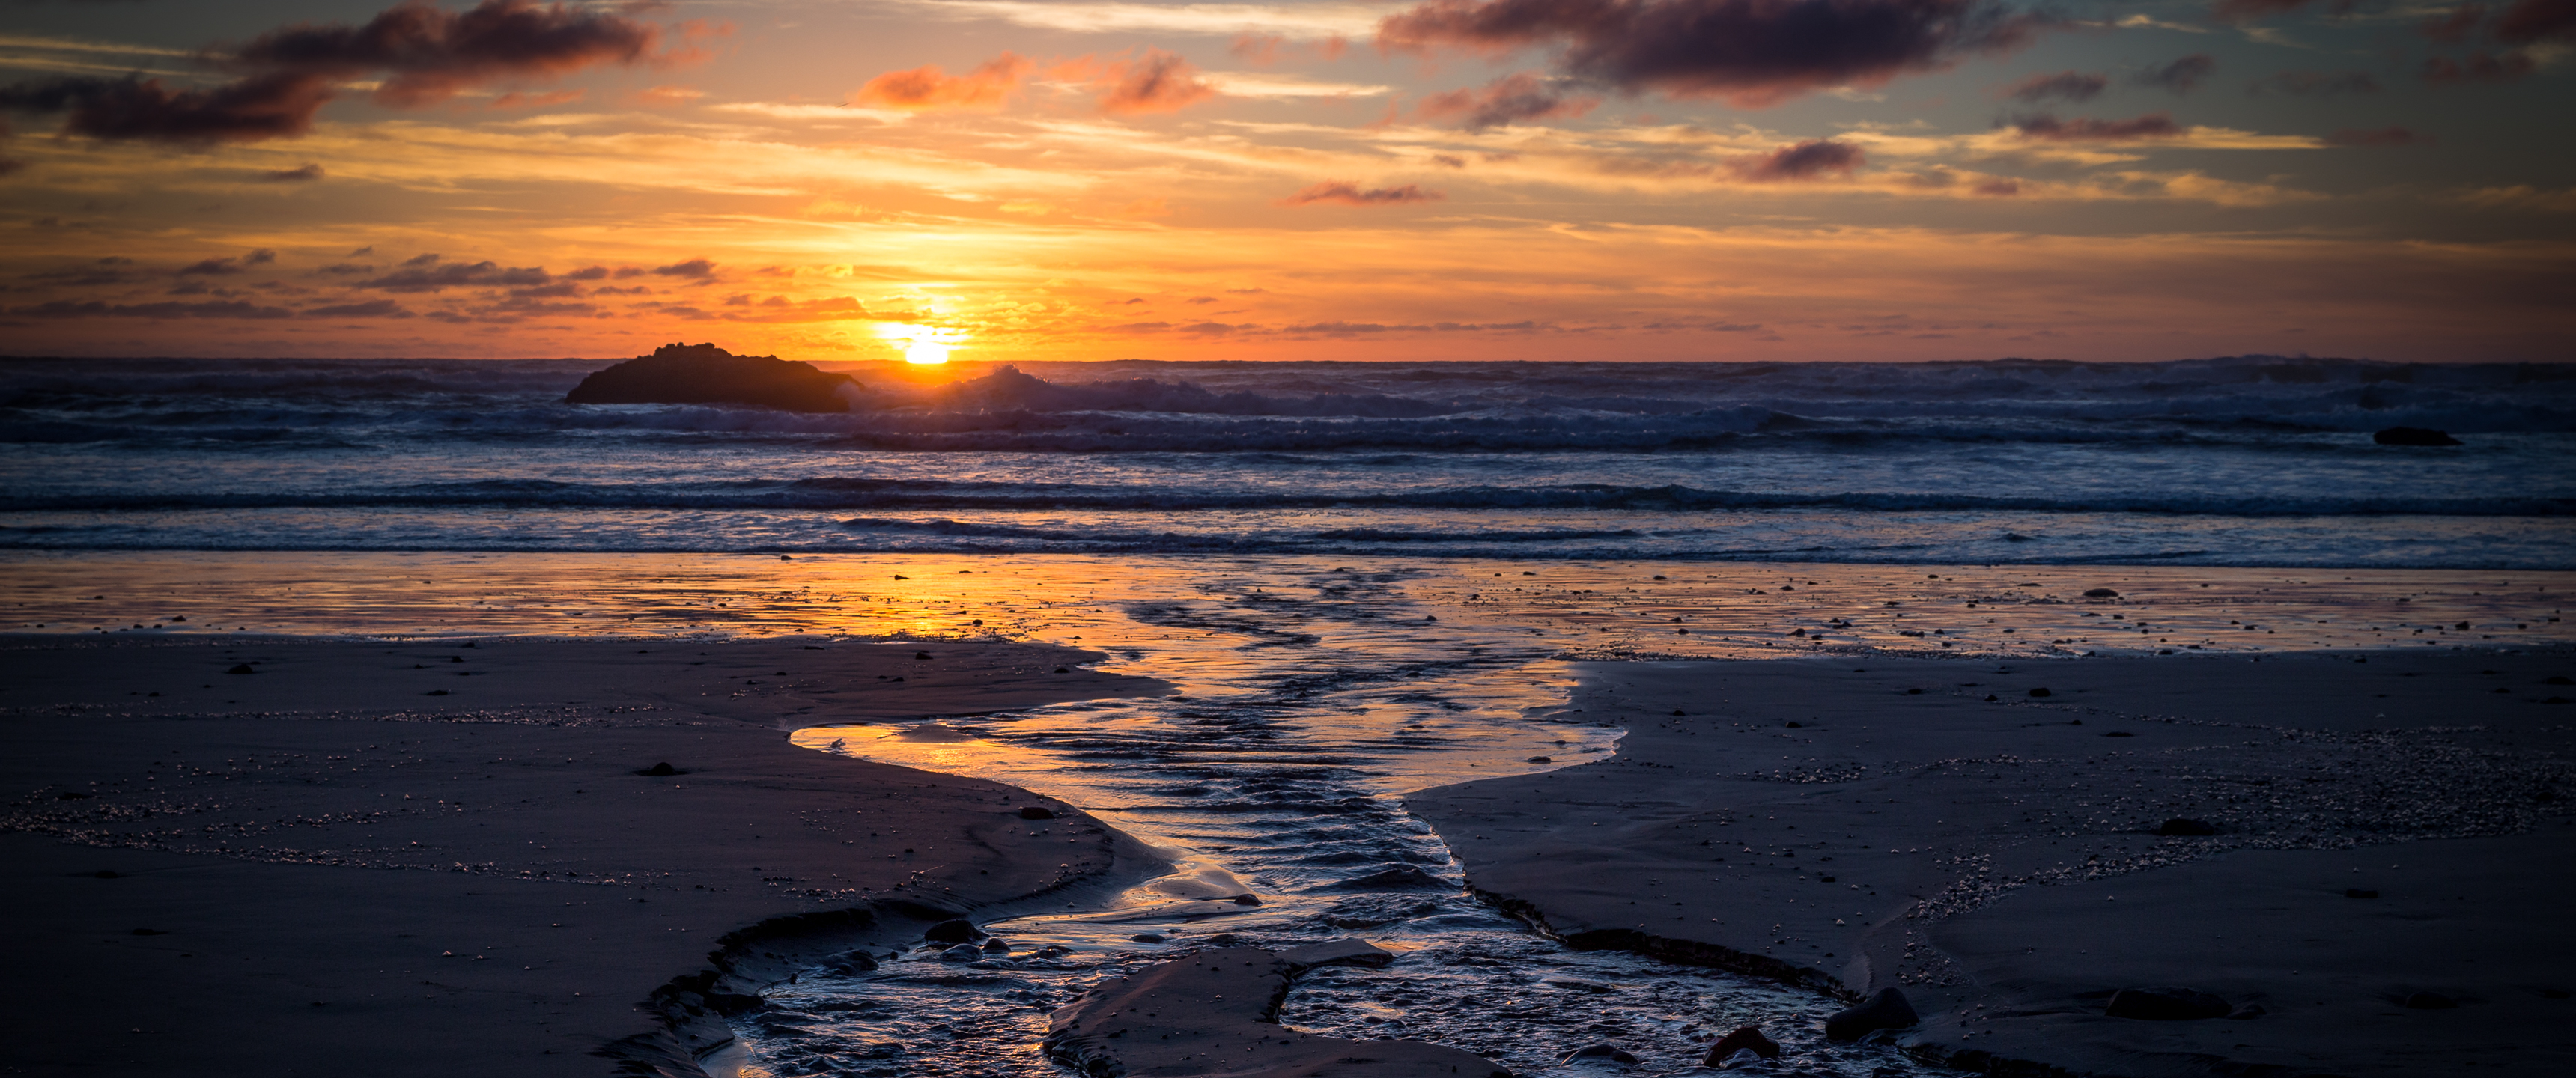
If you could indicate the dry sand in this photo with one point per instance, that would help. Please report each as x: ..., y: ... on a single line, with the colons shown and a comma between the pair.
x: 320, y: 868
x: 1934, y: 826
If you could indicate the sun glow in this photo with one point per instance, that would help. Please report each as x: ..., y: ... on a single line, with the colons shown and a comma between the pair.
x: 924, y: 345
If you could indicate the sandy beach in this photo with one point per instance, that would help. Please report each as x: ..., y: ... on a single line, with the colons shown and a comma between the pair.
x: 440, y: 858
x: 2380, y: 891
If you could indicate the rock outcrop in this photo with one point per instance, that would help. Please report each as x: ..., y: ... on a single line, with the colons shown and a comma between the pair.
x: 2413, y: 436
x: 706, y: 374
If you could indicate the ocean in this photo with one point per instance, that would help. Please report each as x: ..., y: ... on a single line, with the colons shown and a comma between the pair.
x: 2256, y: 461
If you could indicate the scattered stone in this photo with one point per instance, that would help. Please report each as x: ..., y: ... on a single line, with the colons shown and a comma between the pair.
x: 2558, y: 679
x: 2100, y: 593
x: 963, y: 952
x: 2041, y: 692
x: 2359, y: 892
x: 2428, y: 1001
x: 2413, y: 436
x: 850, y: 963
x: 1540, y: 760
x: 1604, y: 1050
x: 2247, y: 1013
x: 1347, y: 951
x: 1064, y: 669
x: 1797, y: 726
x: 241, y: 668
x: 2189, y: 828
x: 921, y: 655
x: 2119, y: 733
x: 1886, y: 1010
x: 435, y: 692
x: 1147, y: 937
x: 997, y: 945
x: 955, y: 930
x: 2166, y: 1005
x: 1745, y: 1039
x: 1036, y: 812
x: 661, y: 770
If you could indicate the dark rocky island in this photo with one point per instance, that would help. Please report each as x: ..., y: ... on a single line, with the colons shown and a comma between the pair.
x: 706, y: 374
x: 2413, y: 436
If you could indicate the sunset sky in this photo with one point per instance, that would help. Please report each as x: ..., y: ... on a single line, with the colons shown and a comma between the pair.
x: 1457, y: 179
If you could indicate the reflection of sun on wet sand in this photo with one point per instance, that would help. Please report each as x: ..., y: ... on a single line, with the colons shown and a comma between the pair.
x: 2366, y: 858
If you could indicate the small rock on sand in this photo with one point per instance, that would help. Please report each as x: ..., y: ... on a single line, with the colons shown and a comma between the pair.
x: 850, y: 962
x: 957, y: 930
x: 661, y: 770
x: 1036, y: 812
x: 2186, y: 827
x: 1886, y: 1010
x: 1540, y: 760
x: 2359, y: 892
x: 2428, y: 1001
x: 1746, y: 1039
x: 963, y: 952
x: 1606, y: 1051
x: 2041, y: 692
x: 2101, y: 593
x: 2166, y: 1004
x: 241, y: 668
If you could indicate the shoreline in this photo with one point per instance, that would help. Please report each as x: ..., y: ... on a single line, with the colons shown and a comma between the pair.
x: 494, y: 871
x: 1852, y: 823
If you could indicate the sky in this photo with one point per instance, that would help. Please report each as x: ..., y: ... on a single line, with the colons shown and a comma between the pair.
x: 1741, y: 180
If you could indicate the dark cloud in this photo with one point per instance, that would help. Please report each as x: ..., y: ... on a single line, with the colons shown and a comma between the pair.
x: 1811, y: 160
x: 418, y: 276
x: 594, y: 273
x: 1160, y: 82
x: 1750, y: 52
x: 96, y: 309
x: 10, y: 165
x: 1998, y: 188
x: 1516, y: 98
x: 1445, y: 160
x: 421, y: 260
x: 2317, y: 83
x: 374, y: 308
x: 2391, y: 135
x: 2531, y: 21
x: 347, y: 269
x: 1349, y: 194
x: 306, y: 174
x: 2154, y: 125
x: 2181, y: 75
x: 422, y: 54
x: 2507, y: 66
x: 2454, y: 26
x: 2063, y: 86
x: 366, y: 250
x: 211, y: 267
x: 697, y: 268
x: 2250, y: 10
x: 557, y: 290
x: 260, y: 257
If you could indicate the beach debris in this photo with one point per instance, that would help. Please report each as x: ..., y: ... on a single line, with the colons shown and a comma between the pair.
x: 241, y: 668
x: 2428, y: 1001
x: 2419, y: 436
x: 1744, y: 1039
x: 1036, y: 812
x: 953, y: 930
x: 2100, y: 593
x: 1603, y: 1050
x: 2185, y: 827
x: 2166, y: 1004
x: 1885, y: 1010
x: 661, y: 770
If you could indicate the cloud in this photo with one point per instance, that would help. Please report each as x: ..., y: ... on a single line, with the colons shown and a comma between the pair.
x: 96, y: 309
x: 260, y: 257
x: 1998, y: 188
x: 2391, y: 135
x: 374, y: 308
x: 1301, y: 20
x: 2063, y: 86
x: 1156, y: 82
x: 1511, y: 99
x: 2508, y: 66
x: 927, y: 87
x: 211, y: 267
x: 2241, y: 11
x: 593, y: 273
x: 517, y: 100
x: 2530, y: 21
x: 1752, y: 53
x: 1810, y: 160
x: 2042, y: 126
x: 420, y: 275
x: 2181, y: 75
x: 346, y: 269
x: 2317, y: 83
x: 666, y: 95
x: 696, y: 268
x: 1351, y: 194
x: 2453, y: 27
x: 425, y: 55
x: 306, y: 174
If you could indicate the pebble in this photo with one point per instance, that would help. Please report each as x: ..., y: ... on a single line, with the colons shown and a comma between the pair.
x: 1745, y: 1039
x: 957, y: 930
x: 2185, y: 827
x: 2166, y: 1004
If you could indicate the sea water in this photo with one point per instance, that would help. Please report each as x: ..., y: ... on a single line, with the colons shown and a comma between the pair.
x: 1363, y: 579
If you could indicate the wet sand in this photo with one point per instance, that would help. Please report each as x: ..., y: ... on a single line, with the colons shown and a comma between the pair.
x: 1941, y: 827
x: 432, y: 859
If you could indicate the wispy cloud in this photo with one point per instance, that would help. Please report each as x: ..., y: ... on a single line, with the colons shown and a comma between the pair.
x: 1227, y: 20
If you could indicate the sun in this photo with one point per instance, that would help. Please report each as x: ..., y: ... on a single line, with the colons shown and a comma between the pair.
x: 923, y: 345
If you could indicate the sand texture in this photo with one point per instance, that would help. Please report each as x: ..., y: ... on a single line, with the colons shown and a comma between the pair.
x: 1997, y: 859
x: 318, y: 869
x: 1216, y: 1013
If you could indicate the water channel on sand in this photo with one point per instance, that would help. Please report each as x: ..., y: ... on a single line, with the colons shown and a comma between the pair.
x: 1311, y: 694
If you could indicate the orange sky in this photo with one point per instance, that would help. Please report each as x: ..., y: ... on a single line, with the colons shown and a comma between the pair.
x: 1080, y: 180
